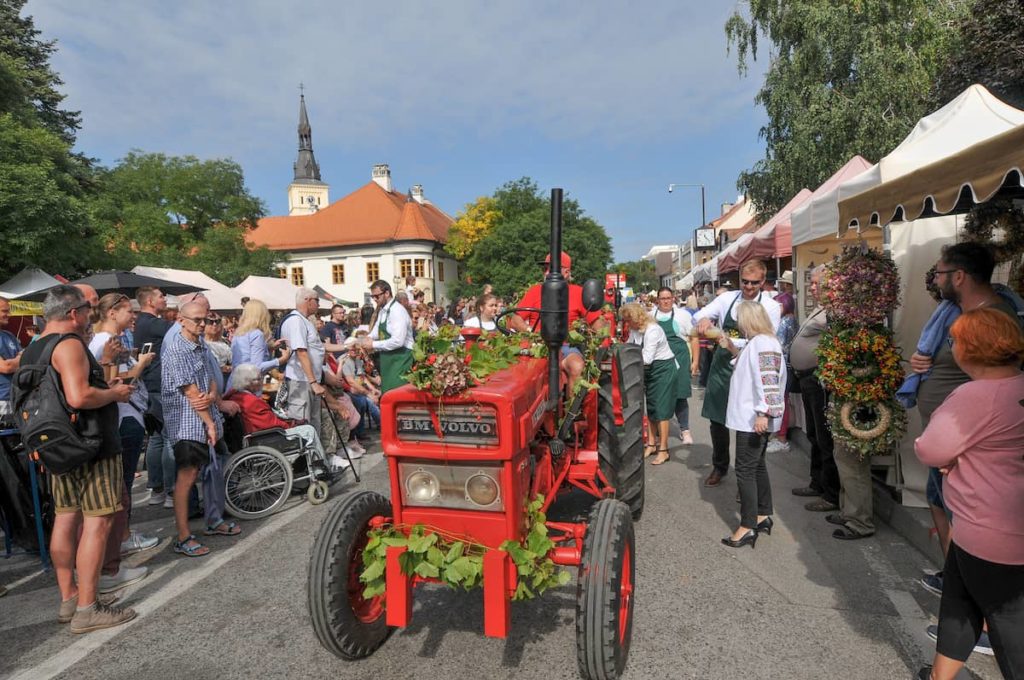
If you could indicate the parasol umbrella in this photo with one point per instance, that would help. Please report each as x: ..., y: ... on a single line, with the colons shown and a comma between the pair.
x: 130, y: 282
x: 324, y: 295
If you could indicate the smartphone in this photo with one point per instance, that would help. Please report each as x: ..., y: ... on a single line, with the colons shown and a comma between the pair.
x: 147, y: 348
x: 129, y: 381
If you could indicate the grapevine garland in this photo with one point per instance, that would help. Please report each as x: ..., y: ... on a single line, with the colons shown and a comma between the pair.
x: 867, y: 428
x: 458, y: 562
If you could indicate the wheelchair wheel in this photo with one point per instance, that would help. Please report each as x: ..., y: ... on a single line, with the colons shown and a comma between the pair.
x: 258, y: 480
x: 317, y: 492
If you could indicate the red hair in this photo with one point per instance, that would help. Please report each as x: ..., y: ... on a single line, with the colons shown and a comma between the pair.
x: 988, y: 337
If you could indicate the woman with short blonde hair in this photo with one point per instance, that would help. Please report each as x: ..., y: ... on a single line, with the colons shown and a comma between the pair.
x: 659, y: 376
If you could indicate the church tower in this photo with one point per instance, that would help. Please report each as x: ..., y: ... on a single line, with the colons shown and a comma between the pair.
x: 306, y: 193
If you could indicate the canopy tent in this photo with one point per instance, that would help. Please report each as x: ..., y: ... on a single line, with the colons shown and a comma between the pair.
x: 952, y: 184
x: 773, y: 239
x: 220, y: 296
x: 730, y: 255
x: 972, y: 117
x: 275, y: 293
x: 819, y: 216
x: 27, y: 281
x: 685, y: 283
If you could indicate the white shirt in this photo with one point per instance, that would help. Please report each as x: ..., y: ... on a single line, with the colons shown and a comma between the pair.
x: 654, y: 343
x: 716, y: 309
x: 399, y: 327
x: 482, y: 325
x: 300, y: 333
x: 682, y: 320
x: 757, y: 385
x: 139, y: 401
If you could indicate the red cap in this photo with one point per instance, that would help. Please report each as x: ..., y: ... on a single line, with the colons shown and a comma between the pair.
x: 566, y: 260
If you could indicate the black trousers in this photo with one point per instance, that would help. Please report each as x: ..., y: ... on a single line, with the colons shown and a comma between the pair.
x: 752, y: 477
x: 704, y: 365
x: 719, y: 447
x: 824, y: 474
x: 976, y: 590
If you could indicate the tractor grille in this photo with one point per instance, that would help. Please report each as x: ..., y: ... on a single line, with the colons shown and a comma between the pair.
x: 459, y: 425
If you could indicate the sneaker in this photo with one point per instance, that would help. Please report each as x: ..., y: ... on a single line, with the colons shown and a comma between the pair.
x: 355, y: 449
x: 337, y: 462
x: 982, y: 646
x: 776, y: 446
x: 687, y: 438
x: 68, y: 608
x: 169, y: 502
x: 933, y: 583
x: 100, y: 616
x: 157, y: 497
x: 136, y: 542
x: 124, y: 577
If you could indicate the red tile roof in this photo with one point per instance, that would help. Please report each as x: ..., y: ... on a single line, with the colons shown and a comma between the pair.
x: 367, y: 215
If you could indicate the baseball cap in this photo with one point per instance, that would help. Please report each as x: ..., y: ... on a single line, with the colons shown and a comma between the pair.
x: 566, y: 260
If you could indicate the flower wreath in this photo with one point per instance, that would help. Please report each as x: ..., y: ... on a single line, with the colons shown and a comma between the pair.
x: 867, y: 428
x: 985, y: 218
x: 860, y: 287
x: 859, y: 364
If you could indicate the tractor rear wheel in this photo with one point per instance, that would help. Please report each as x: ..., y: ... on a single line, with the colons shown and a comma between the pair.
x: 604, y: 592
x: 347, y: 624
x: 621, y: 447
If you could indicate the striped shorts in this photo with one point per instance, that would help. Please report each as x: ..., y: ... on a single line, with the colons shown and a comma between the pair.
x: 93, y: 489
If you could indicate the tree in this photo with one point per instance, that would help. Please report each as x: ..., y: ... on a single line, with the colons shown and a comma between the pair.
x: 640, y: 275
x: 510, y: 256
x: 845, y: 78
x: 471, y: 225
x: 989, y: 49
x: 161, y: 210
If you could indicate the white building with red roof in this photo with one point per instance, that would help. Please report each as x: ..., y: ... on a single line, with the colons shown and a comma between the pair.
x: 372, y: 233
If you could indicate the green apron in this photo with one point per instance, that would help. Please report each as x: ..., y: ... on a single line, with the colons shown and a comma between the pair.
x: 681, y: 350
x: 716, y: 395
x: 394, y: 363
x: 660, y: 382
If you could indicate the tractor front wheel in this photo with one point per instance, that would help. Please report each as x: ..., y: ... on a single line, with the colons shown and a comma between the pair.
x: 604, y: 592
x: 347, y: 624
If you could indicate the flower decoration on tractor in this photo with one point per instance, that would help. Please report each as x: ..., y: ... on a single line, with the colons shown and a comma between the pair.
x: 859, y: 363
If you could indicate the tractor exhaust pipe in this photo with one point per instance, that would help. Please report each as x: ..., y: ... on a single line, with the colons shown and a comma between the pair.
x: 554, y: 303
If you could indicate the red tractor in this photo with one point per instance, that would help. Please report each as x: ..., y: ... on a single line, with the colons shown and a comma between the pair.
x: 467, y: 466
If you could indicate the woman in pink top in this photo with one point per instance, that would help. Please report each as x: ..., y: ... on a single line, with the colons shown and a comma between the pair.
x: 976, y: 438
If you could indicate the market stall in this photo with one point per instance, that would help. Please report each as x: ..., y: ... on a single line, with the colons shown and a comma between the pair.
x: 772, y: 241
x: 220, y: 296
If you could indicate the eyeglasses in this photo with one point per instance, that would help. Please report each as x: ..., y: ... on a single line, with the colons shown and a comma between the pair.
x: 84, y: 305
x: 748, y: 282
x: 375, y: 295
x: 947, y: 271
x: 199, y: 320
x: 665, y: 299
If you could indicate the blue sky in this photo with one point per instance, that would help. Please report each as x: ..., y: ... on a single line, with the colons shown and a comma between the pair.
x: 611, y: 101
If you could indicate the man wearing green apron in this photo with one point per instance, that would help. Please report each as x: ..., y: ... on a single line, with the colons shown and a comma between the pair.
x: 721, y: 311
x: 676, y: 323
x: 391, y: 336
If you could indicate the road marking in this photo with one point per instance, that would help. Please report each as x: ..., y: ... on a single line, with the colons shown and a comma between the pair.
x: 90, y: 642
x: 24, y: 579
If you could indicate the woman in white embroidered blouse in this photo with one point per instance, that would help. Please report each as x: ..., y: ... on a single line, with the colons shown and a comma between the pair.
x: 659, y: 376
x: 756, y: 404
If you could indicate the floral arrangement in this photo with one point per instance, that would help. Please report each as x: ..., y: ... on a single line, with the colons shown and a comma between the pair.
x: 458, y: 562
x: 859, y: 363
x: 445, y: 367
x: 982, y: 224
x: 860, y: 287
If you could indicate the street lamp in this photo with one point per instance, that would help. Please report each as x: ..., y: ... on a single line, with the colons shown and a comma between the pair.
x: 703, y: 214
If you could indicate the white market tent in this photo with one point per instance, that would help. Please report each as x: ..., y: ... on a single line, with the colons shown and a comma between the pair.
x: 27, y: 281
x: 974, y: 116
x: 274, y: 292
x: 220, y: 296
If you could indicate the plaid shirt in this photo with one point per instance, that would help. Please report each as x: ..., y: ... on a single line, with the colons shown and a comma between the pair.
x: 184, y: 362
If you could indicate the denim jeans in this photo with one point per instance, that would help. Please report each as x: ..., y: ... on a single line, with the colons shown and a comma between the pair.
x: 160, y: 463
x: 683, y: 413
x: 364, y: 405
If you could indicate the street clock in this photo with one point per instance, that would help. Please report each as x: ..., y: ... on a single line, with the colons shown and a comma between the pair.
x: 705, y: 238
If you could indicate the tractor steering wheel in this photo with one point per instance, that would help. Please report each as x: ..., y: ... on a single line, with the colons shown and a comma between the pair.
x: 504, y: 328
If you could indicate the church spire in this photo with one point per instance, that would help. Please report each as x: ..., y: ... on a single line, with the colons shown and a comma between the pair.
x: 306, y: 168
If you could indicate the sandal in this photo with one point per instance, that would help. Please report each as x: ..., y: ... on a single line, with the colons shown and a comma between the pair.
x: 190, y: 547
x: 845, y: 533
x: 223, y: 528
x: 661, y: 460
x: 649, y: 450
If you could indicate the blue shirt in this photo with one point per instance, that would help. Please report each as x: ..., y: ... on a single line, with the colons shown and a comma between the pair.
x: 9, y: 348
x: 186, y: 363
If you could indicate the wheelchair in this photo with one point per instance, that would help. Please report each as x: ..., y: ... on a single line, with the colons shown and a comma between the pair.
x: 260, y: 476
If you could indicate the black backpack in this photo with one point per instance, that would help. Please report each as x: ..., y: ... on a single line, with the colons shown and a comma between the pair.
x: 62, y: 437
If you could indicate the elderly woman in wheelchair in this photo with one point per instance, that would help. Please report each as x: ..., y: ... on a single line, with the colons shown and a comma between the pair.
x: 275, y: 453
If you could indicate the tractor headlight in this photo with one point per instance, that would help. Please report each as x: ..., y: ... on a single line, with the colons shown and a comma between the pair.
x: 468, y: 486
x: 482, y: 489
x: 422, y: 487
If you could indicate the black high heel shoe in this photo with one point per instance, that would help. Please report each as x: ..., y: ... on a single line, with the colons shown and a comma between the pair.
x: 765, y: 526
x: 749, y: 538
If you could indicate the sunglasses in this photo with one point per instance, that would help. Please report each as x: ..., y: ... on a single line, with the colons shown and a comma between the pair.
x: 748, y: 282
x: 199, y: 320
x: 211, y: 320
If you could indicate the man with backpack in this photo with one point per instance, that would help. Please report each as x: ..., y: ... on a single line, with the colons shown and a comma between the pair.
x: 89, y: 491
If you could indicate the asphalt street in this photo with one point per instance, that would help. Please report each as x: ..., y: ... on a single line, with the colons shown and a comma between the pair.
x: 800, y: 605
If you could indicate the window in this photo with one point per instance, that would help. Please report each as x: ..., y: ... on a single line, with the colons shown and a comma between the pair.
x: 420, y: 268
x: 282, y: 273
x: 298, y: 278
x: 440, y: 271
x: 405, y: 268
x: 338, y: 273
x: 372, y: 271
